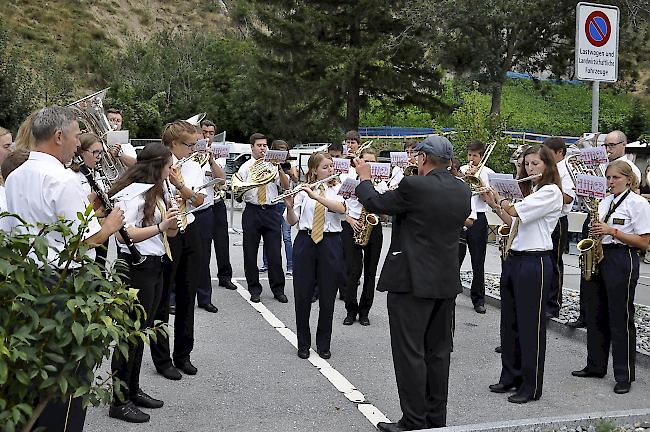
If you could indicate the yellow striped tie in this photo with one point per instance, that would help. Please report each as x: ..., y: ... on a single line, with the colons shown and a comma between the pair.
x: 261, y: 195
x: 163, y: 213
x: 318, y: 226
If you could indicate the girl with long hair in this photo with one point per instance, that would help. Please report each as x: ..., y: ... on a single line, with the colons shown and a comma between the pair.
x: 625, y: 229
x: 149, y: 223
x: 317, y: 251
x: 526, y: 273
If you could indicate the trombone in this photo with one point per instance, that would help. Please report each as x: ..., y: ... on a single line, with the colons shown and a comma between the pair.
x: 474, y: 180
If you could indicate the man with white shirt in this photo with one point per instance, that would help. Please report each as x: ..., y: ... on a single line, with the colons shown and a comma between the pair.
x: 560, y: 234
x: 615, y: 143
x: 260, y: 219
x: 41, y: 191
x: 477, y: 233
x: 125, y: 151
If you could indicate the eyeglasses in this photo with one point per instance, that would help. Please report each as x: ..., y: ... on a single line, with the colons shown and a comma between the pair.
x: 418, y: 154
x: 190, y: 145
x: 96, y: 153
x: 610, y: 145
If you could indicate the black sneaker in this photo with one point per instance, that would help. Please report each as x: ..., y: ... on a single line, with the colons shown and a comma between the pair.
x: 128, y: 412
x: 143, y: 400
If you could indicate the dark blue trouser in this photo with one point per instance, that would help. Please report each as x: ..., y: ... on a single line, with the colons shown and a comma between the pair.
x: 221, y: 241
x: 204, y: 220
x: 610, y: 314
x: 560, y: 238
x: 315, y: 265
x: 524, y: 281
x: 358, y: 259
x: 286, y: 239
x: 262, y: 222
x: 477, y: 246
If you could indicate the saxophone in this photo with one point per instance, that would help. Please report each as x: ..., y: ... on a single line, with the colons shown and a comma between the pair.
x: 504, y: 234
x: 591, y: 248
x: 367, y: 221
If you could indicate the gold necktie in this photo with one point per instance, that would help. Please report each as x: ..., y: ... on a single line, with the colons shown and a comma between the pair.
x: 318, y: 226
x: 163, y: 215
x: 261, y: 195
x: 513, y: 233
x: 182, y: 207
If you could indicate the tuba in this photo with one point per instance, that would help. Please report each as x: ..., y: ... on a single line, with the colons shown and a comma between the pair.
x: 474, y: 180
x: 368, y: 222
x: 90, y: 112
x: 591, y: 248
x: 261, y: 173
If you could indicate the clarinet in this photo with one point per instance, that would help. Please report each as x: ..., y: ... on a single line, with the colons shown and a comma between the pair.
x: 136, y: 257
x: 174, y: 204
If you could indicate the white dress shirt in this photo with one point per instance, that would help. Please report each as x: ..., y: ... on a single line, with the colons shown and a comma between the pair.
x: 193, y: 177
x: 303, y: 207
x: 538, y: 216
x: 477, y: 202
x: 272, y: 188
x: 352, y: 204
x: 632, y: 216
x: 567, y: 186
x: 5, y: 224
x: 134, y: 217
x: 40, y: 191
x: 396, y: 176
x: 635, y: 169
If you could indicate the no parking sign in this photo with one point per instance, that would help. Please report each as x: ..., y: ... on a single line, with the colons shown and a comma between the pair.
x: 597, y: 42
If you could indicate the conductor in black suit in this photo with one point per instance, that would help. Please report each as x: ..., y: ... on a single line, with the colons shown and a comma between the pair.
x: 421, y: 276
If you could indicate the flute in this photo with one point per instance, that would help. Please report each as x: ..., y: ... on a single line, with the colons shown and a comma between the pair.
x: 298, y: 188
x: 174, y: 204
x: 485, y: 189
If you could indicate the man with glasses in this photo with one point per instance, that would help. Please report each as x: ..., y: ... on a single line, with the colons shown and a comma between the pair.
x: 124, y: 151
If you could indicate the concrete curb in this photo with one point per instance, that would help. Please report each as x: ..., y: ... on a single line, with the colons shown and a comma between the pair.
x: 554, y: 324
x: 620, y: 418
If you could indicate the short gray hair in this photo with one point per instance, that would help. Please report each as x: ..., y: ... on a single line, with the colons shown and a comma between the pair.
x: 50, y: 119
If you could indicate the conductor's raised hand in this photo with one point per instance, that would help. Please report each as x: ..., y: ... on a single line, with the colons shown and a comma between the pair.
x: 363, y: 169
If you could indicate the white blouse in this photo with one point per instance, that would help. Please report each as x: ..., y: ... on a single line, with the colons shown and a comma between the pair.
x: 304, y: 206
x: 134, y: 217
x: 632, y: 216
x: 538, y: 216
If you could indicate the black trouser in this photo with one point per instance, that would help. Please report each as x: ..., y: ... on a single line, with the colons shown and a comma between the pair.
x: 585, y: 286
x: 62, y: 416
x: 477, y: 246
x: 610, y: 314
x: 221, y: 241
x: 462, y: 247
x: 204, y: 220
x: 524, y: 282
x: 421, y: 336
x: 357, y: 259
x: 560, y: 238
x: 184, y: 272
x: 147, y: 278
x: 262, y: 222
x: 314, y: 264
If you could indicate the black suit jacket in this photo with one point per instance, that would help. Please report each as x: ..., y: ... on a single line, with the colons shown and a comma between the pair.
x: 429, y: 215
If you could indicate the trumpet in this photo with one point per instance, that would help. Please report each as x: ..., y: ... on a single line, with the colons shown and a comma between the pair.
x: 298, y: 188
x: 357, y: 153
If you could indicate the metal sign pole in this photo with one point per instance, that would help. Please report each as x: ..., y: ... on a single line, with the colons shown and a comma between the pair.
x: 595, y: 101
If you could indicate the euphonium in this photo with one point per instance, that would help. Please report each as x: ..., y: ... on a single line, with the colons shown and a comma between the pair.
x: 367, y: 221
x: 90, y: 112
x: 474, y: 180
x: 591, y: 248
x: 261, y: 173
x: 410, y: 170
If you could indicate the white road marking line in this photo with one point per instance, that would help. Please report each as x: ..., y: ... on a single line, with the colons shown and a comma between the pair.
x: 370, y: 412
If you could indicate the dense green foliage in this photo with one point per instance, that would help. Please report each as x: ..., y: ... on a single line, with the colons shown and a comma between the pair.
x: 57, y: 324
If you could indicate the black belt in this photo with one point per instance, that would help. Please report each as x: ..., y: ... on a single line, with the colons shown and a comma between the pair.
x: 263, y: 206
x: 325, y: 234
x: 620, y: 246
x: 147, y: 258
x: 530, y: 253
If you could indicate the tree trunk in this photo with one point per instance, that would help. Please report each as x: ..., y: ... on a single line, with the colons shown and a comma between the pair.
x: 495, y: 108
x: 354, y: 85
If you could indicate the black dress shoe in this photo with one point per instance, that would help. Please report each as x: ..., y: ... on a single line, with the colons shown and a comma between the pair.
x: 228, y: 285
x: 325, y: 354
x: 622, y: 387
x: 209, y: 307
x: 143, y: 400
x: 171, y: 373
x: 128, y: 412
x: 498, y: 349
x: 479, y: 309
x: 502, y: 388
x: 172, y: 309
x: 577, y: 324
x: 585, y: 373
x: 255, y: 298
x: 349, y: 320
x: 364, y: 321
x: 520, y: 399
x: 281, y: 298
x: 187, y: 367
x: 303, y: 354
x: 389, y: 427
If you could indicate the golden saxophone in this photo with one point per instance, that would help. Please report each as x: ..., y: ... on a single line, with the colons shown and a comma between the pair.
x: 367, y: 221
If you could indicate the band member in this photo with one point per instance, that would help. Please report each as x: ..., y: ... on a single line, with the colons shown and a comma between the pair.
x: 5, y: 150
x: 24, y: 137
x: 561, y: 231
x: 317, y: 252
x: 625, y: 227
x: 360, y: 258
x: 149, y: 225
x: 335, y: 150
x: 125, y: 151
x: 42, y: 190
x: 352, y: 142
x: 462, y: 245
x: 398, y: 172
x: 209, y: 130
x: 261, y: 220
x: 11, y: 162
x: 183, y: 271
x: 477, y: 233
x: 206, y: 222
x: 527, y: 273
x: 422, y: 279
